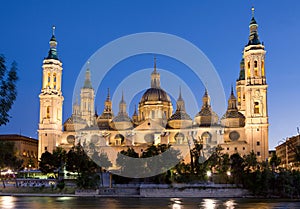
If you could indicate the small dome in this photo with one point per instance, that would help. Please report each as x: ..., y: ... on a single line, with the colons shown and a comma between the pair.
x: 206, y: 111
x: 155, y: 94
x: 106, y: 115
x: 233, y: 114
x: 180, y: 115
x: 121, y: 118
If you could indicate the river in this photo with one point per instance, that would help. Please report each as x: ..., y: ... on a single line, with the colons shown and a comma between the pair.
x: 142, y: 203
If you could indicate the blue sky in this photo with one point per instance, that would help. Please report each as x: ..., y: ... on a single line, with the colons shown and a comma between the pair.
x: 218, y: 28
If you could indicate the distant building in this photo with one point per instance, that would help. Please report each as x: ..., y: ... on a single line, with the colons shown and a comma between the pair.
x: 26, y: 148
x: 288, y: 151
x: 241, y: 129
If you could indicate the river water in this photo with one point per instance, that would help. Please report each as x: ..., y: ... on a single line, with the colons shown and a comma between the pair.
x: 142, y: 203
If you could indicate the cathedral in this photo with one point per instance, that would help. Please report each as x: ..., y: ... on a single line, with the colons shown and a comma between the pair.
x: 241, y: 129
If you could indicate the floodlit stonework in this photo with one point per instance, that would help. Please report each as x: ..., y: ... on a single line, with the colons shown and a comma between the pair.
x: 242, y: 128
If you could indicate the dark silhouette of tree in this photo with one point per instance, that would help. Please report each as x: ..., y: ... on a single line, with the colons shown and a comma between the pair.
x: 8, y: 159
x: 237, y: 168
x: 53, y: 163
x: 8, y: 91
x: 274, y: 161
x: 86, y: 169
x: 250, y: 161
x: 47, y: 164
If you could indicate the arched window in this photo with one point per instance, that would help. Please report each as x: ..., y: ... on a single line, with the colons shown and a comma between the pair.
x: 206, y: 137
x: 179, y: 138
x: 256, y: 108
x: 48, y: 112
x: 255, y: 64
x: 48, y: 80
x: 255, y: 68
x: 248, y: 70
x: 54, y: 80
x: 239, y: 96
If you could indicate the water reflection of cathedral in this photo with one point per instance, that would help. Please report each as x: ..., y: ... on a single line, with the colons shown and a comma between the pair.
x: 242, y: 128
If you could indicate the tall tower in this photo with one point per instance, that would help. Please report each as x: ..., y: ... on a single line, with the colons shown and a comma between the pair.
x: 51, y: 101
x: 252, y: 93
x: 87, y: 97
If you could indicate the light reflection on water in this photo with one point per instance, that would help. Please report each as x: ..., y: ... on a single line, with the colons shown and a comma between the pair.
x: 8, y: 202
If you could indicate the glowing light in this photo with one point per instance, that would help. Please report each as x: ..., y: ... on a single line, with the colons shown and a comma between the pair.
x: 7, y: 202
x: 176, y: 203
x: 228, y: 173
x: 230, y: 204
x: 208, y: 173
x: 209, y: 204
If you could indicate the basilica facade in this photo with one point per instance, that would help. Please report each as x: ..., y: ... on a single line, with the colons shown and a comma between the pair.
x: 241, y: 129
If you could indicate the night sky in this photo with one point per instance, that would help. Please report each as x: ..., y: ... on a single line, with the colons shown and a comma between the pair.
x: 218, y: 28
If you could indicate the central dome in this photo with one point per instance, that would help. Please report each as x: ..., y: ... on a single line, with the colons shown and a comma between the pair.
x: 155, y: 94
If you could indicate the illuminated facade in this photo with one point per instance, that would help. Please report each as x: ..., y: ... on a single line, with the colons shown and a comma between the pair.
x: 26, y: 148
x: 243, y: 128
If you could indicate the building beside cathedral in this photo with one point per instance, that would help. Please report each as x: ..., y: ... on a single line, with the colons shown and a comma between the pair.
x: 241, y: 129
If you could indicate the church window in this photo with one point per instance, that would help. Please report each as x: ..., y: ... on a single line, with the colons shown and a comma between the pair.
x: 206, y: 137
x: 248, y: 70
x: 48, y: 80
x: 255, y: 68
x: 258, y: 143
x: 258, y: 154
x: 256, y: 107
x: 179, y: 137
x: 54, y: 80
x: 48, y: 112
x: 255, y: 64
x: 239, y: 97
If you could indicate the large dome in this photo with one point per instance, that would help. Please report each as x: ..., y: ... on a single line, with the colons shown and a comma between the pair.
x: 155, y: 94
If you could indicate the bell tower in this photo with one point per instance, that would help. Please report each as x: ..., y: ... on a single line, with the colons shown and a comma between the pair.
x: 51, y: 101
x: 87, y: 96
x: 252, y: 93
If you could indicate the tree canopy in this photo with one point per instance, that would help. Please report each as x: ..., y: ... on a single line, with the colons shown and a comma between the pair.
x: 8, y: 90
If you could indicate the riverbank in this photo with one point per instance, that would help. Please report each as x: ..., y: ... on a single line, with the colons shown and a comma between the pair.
x: 144, y: 190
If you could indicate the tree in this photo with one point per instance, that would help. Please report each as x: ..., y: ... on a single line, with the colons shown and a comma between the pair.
x: 47, y: 164
x: 250, y: 162
x: 237, y: 168
x: 274, y: 161
x: 8, y: 158
x: 102, y: 161
x: 86, y: 169
x: 8, y: 91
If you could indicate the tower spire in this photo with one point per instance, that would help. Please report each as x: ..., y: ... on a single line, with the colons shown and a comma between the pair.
x: 108, y: 95
x: 52, y: 54
x: 53, y: 30
x: 253, y: 37
x: 155, y: 77
x: 87, y: 81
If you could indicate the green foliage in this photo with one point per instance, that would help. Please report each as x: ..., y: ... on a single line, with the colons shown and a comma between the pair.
x: 53, y: 163
x: 7, y: 156
x: 156, y: 159
x: 78, y: 162
x: 47, y: 163
x: 275, y: 161
x: 8, y: 91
